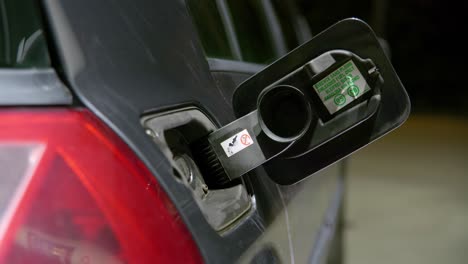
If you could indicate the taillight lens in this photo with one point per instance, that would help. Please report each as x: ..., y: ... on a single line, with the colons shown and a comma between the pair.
x: 73, y: 192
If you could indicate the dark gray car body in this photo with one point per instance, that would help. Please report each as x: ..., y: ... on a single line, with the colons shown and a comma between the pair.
x: 123, y: 59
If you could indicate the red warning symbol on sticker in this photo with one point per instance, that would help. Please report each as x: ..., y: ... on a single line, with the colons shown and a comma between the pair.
x: 246, y: 140
x: 237, y: 142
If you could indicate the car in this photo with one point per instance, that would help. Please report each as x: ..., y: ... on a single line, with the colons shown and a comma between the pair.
x: 105, y: 110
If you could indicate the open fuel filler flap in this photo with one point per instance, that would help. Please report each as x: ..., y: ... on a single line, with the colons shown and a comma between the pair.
x: 319, y: 103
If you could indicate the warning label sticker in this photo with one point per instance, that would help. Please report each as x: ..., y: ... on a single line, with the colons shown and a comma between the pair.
x: 341, y: 87
x: 237, y: 143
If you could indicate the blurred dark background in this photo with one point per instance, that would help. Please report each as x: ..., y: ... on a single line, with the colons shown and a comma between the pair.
x: 407, y: 193
x: 426, y: 39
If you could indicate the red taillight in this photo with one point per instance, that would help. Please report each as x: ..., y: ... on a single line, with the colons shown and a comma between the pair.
x: 78, y: 194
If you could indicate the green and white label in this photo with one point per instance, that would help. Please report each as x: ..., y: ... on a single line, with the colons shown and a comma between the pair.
x: 341, y: 87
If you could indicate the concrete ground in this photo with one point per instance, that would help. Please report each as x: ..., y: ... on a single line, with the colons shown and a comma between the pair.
x: 407, y: 199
